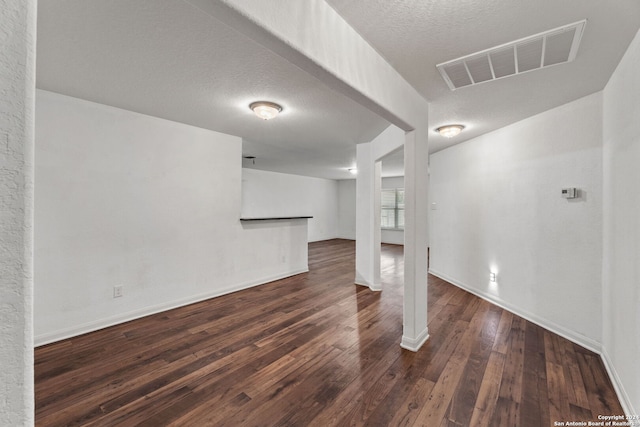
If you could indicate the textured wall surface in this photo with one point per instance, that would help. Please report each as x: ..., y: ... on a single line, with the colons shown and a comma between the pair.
x: 347, y: 209
x: 499, y: 208
x: 273, y: 194
x: 145, y: 203
x: 17, y: 88
x: 621, y: 274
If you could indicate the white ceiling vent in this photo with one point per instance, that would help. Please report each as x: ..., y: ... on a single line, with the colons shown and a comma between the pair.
x: 552, y: 47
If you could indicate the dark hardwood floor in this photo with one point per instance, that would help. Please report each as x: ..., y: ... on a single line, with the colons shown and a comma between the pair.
x: 317, y: 350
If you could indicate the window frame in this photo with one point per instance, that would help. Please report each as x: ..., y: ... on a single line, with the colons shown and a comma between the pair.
x: 396, y: 208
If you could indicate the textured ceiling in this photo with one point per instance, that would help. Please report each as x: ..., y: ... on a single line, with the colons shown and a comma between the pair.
x: 165, y: 58
x: 416, y: 35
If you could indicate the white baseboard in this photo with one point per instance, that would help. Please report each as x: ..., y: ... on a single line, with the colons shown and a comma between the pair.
x: 60, y: 335
x: 374, y: 287
x: 414, y: 344
x: 623, y: 397
x: 324, y: 239
x: 572, y: 336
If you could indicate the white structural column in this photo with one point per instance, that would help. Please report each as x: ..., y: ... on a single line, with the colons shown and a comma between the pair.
x: 315, y: 38
x: 17, y: 104
x: 416, y: 240
x: 368, y: 234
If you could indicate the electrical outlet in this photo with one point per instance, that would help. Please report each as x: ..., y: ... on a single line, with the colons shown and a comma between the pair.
x: 118, y: 291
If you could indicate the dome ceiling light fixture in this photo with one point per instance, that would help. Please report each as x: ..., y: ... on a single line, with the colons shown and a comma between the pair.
x: 449, y: 131
x: 265, y: 110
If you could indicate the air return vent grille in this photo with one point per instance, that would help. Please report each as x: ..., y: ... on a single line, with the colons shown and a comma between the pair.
x: 552, y: 47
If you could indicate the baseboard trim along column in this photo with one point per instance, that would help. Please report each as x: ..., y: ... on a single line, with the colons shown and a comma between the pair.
x: 376, y: 287
x: 414, y: 344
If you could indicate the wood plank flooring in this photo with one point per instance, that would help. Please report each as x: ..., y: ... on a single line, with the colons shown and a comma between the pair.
x: 317, y: 350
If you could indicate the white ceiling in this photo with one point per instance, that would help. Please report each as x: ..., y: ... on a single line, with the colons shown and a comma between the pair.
x: 165, y: 58
x: 416, y: 35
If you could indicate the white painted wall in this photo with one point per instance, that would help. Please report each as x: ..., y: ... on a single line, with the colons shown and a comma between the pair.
x: 272, y: 194
x: 621, y: 272
x: 17, y: 89
x: 347, y: 209
x: 395, y: 237
x: 416, y: 238
x: 368, y: 217
x: 393, y: 182
x: 499, y: 208
x: 127, y: 199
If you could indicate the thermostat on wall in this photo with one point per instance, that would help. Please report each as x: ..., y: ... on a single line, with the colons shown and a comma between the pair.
x: 570, y: 193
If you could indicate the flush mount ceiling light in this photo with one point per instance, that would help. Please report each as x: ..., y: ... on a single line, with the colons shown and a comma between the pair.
x: 449, y: 131
x: 265, y: 110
